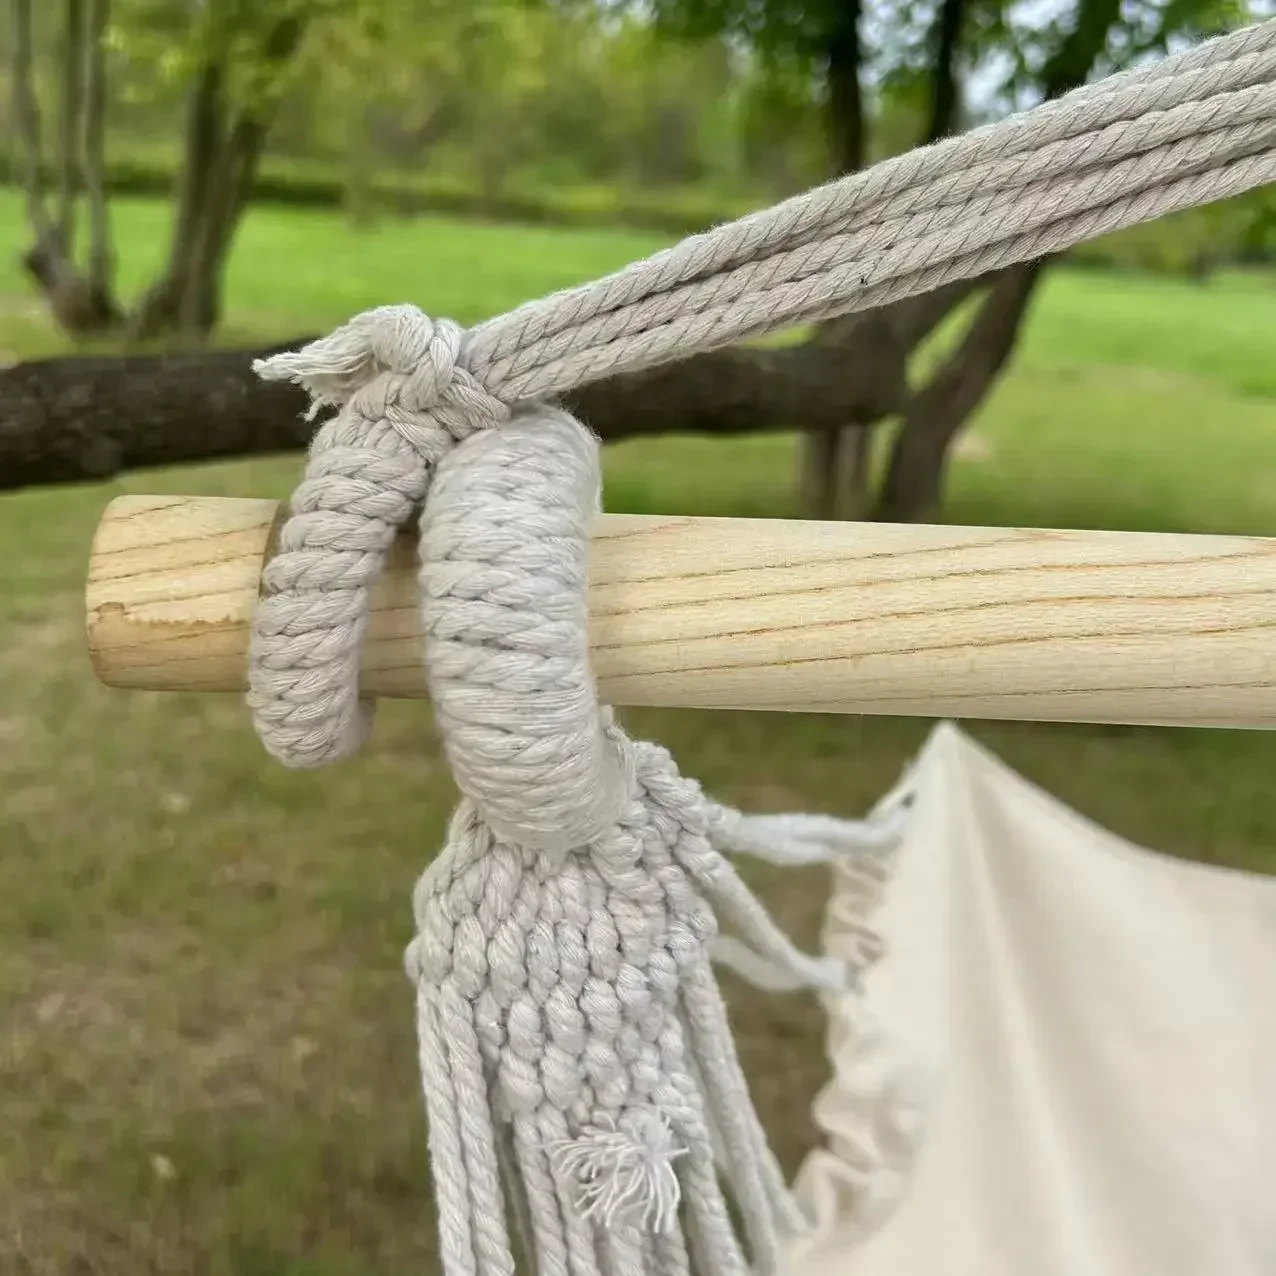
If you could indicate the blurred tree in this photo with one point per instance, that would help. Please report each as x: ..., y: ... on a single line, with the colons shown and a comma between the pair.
x: 234, y: 57
x: 902, y: 65
x: 517, y: 95
x: 231, y: 57
x: 82, y: 299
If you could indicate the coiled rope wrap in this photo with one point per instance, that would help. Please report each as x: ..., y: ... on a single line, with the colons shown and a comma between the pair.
x: 575, y: 1053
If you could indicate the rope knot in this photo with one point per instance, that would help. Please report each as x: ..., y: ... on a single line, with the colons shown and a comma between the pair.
x: 395, y: 344
x: 393, y: 364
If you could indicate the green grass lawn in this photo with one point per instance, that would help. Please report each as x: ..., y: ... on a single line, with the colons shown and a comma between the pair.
x: 206, y: 1055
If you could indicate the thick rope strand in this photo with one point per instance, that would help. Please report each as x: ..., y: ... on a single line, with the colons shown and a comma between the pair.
x: 498, y: 348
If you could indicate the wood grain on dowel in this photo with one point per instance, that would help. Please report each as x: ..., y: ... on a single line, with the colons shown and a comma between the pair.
x: 769, y: 614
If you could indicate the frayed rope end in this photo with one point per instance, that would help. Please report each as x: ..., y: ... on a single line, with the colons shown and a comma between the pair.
x: 623, y: 1169
x: 332, y: 368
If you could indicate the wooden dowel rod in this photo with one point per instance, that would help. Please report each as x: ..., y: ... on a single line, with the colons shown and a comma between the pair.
x: 769, y: 614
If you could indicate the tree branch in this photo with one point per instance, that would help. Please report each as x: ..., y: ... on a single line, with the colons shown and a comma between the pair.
x: 915, y: 318
x: 958, y: 385
x: 81, y: 418
x: 1070, y: 65
x: 934, y: 414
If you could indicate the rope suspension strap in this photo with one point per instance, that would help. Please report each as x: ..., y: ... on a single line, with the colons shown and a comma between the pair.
x: 580, y: 1077
x: 577, y: 1061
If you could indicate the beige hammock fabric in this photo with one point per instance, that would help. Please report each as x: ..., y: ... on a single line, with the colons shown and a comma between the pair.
x: 1087, y: 1028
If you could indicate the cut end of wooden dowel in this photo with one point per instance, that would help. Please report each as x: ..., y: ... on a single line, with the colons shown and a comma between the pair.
x: 171, y: 589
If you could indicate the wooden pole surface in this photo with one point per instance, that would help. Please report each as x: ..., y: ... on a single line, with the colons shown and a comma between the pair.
x: 769, y: 614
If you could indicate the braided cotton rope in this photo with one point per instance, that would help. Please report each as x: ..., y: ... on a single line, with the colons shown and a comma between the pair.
x: 577, y: 1063
x: 1198, y: 127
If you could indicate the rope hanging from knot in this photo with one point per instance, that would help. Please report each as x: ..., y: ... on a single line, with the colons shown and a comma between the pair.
x: 580, y: 1077
x: 577, y: 1061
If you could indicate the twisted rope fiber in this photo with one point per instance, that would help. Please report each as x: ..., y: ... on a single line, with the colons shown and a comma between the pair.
x: 547, y: 347
x: 900, y: 257
x: 575, y: 1053
x: 562, y: 960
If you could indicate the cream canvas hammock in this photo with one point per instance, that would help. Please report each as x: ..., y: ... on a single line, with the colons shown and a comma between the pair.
x: 1086, y: 1030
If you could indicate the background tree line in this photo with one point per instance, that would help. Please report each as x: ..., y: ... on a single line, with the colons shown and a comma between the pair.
x: 682, y: 112
x: 573, y: 111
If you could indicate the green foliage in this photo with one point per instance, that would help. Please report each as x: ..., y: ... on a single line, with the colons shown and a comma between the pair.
x: 1035, y: 45
x: 578, y: 111
x: 785, y: 28
x: 159, y: 46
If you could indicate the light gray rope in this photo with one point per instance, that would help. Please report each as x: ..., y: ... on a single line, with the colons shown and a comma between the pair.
x: 546, y: 347
x: 1191, y: 129
x: 565, y: 932
x: 575, y: 1052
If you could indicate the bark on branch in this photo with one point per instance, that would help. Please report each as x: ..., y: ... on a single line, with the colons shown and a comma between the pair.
x: 83, y: 418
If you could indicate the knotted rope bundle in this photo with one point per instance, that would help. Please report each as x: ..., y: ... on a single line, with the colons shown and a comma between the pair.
x: 575, y: 1052
x: 577, y: 1061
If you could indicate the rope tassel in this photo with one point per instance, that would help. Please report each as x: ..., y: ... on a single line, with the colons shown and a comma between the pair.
x: 580, y: 1078
x: 598, y: 1019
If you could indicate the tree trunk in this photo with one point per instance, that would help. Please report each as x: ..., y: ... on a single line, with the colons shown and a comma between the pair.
x: 101, y: 248
x: 821, y: 461
x: 945, y: 99
x: 70, y: 168
x: 818, y: 471
x: 77, y: 306
x: 219, y: 169
x: 845, y: 94
x: 851, y: 499
x: 160, y: 306
x: 935, y: 414
x: 26, y: 117
x: 199, y: 301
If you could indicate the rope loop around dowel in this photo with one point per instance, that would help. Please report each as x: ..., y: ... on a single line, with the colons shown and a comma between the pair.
x: 403, y: 400
x: 1194, y: 128
x: 576, y: 1054
x: 504, y: 566
x: 504, y: 579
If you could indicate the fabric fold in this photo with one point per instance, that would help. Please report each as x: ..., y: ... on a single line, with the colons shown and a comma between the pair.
x: 1086, y: 1027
